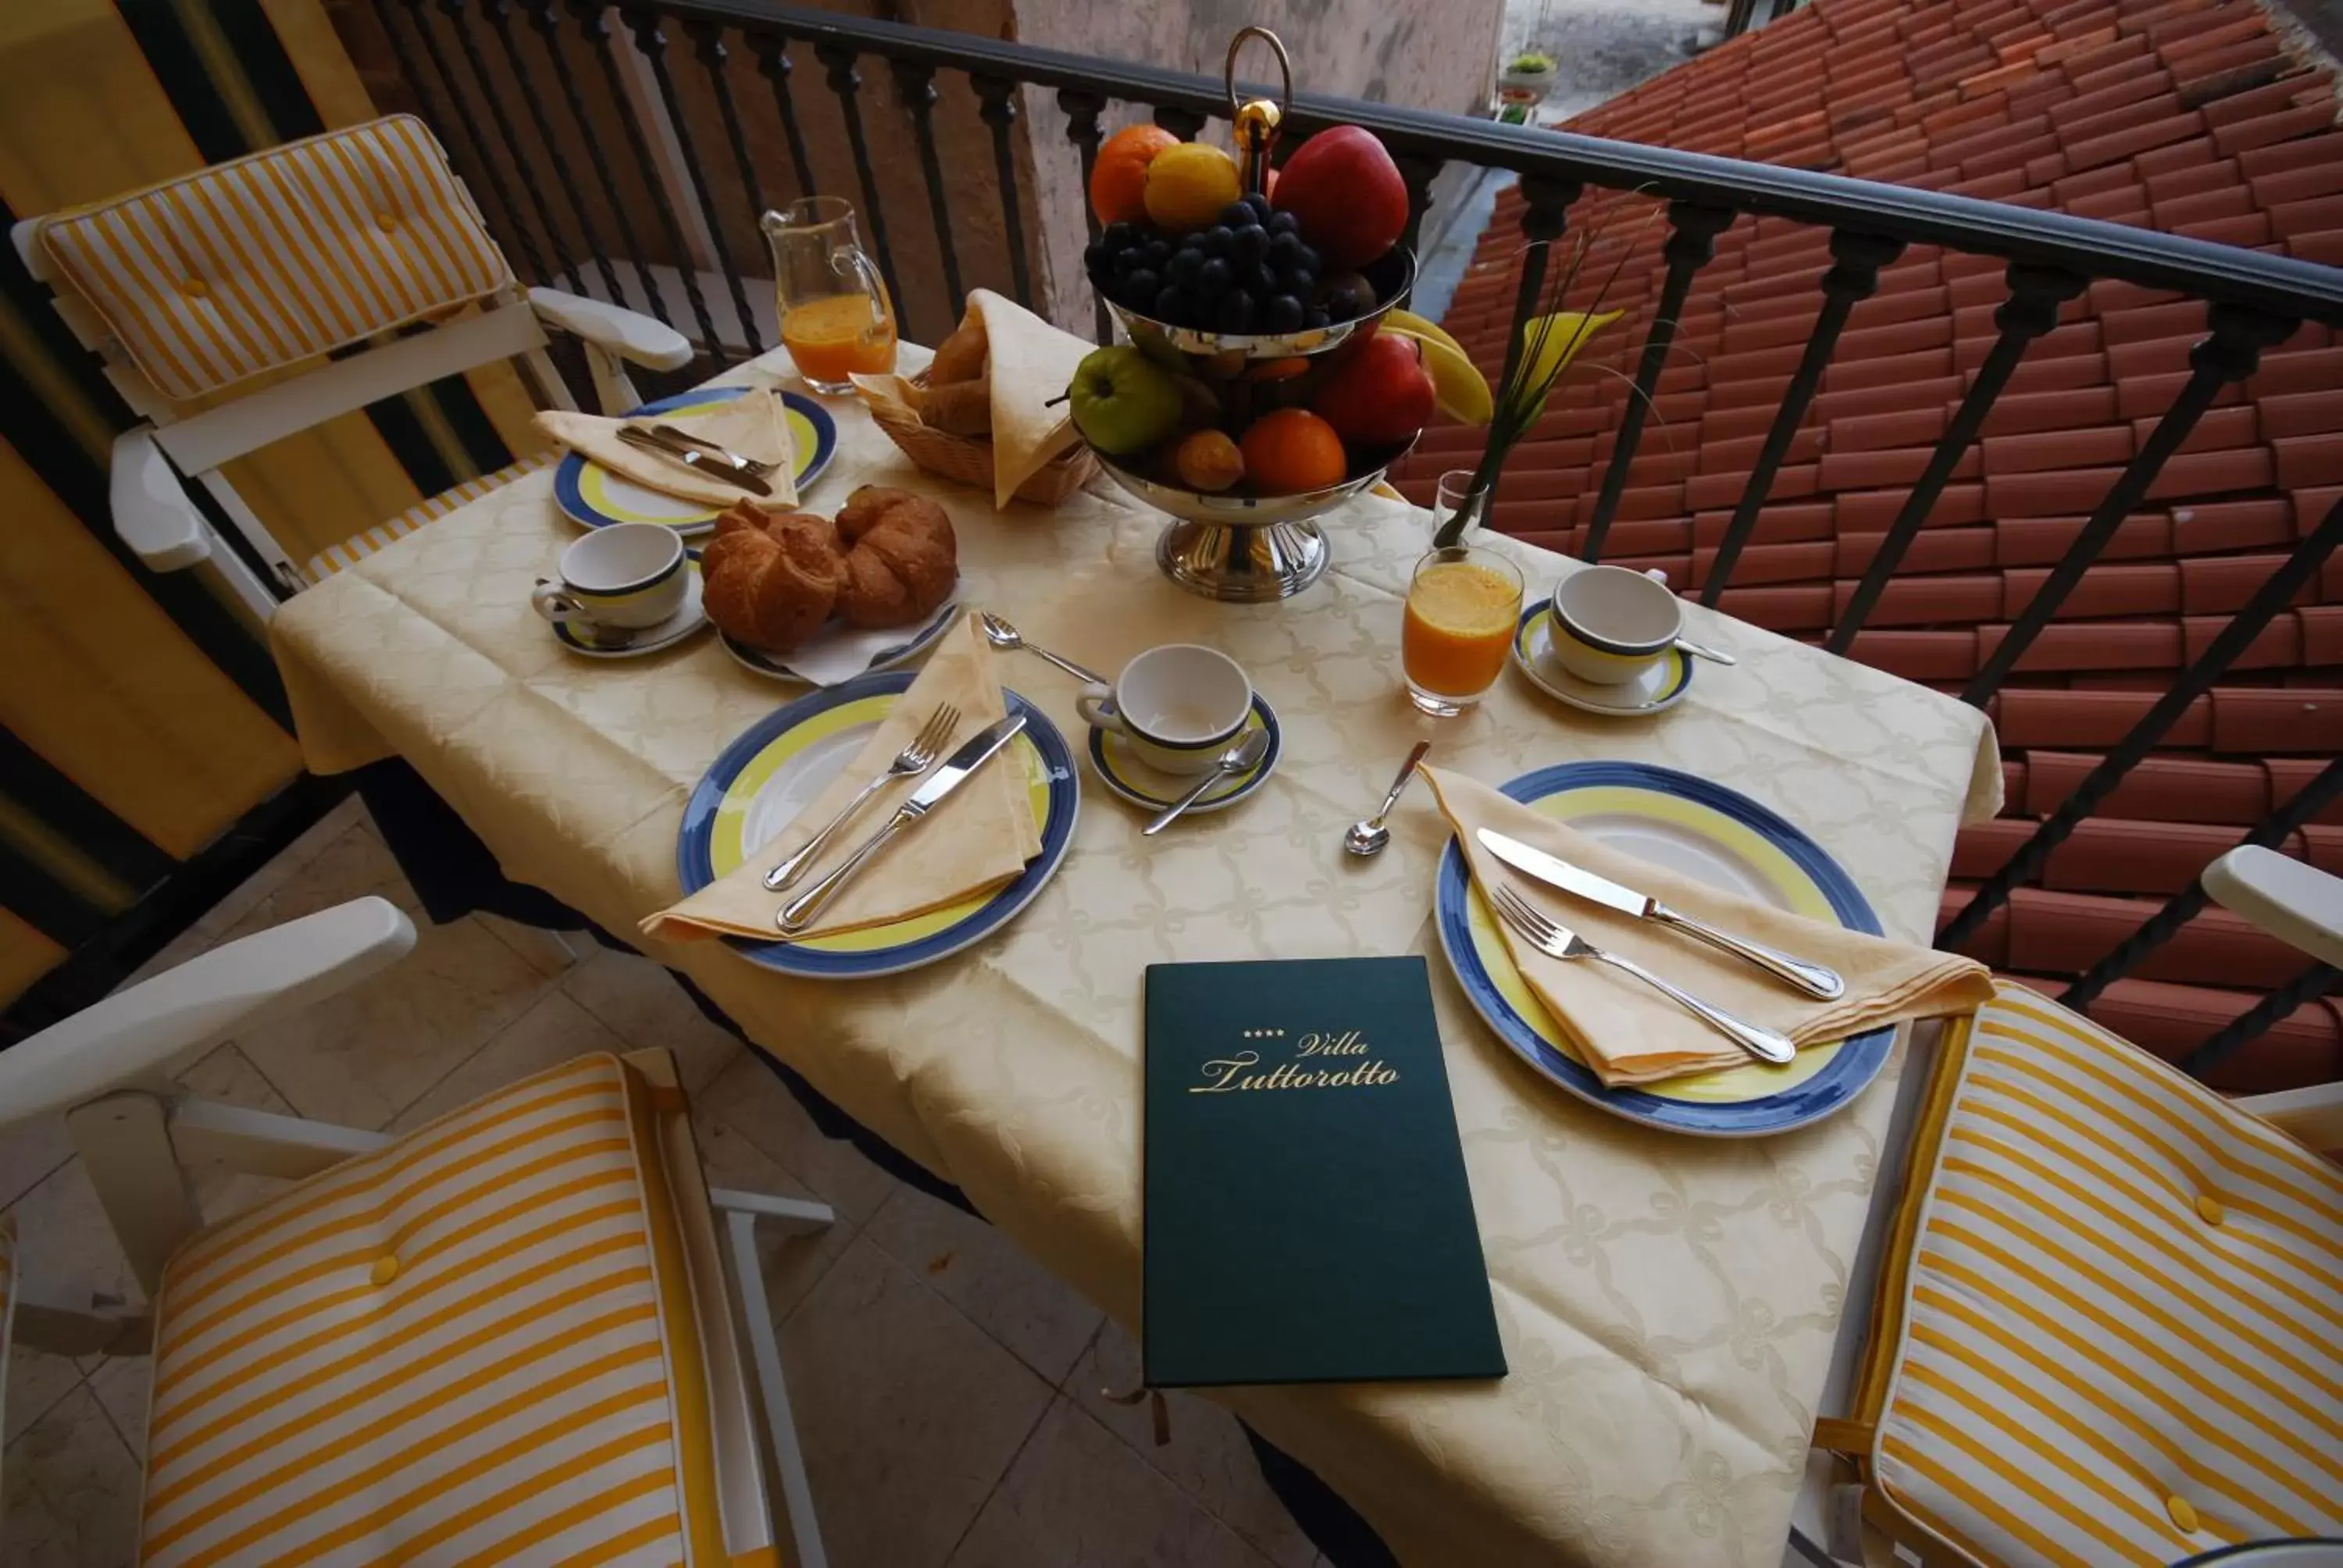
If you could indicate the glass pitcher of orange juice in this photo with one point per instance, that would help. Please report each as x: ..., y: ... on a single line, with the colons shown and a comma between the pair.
x: 1458, y: 630
x: 836, y: 318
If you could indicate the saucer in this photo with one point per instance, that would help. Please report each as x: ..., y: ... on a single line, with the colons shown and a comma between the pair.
x: 687, y: 618
x: 865, y: 651
x: 1655, y: 690
x: 1118, y: 767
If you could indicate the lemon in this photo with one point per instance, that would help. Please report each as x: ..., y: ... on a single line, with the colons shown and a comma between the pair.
x: 1459, y: 389
x: 1187, y: 185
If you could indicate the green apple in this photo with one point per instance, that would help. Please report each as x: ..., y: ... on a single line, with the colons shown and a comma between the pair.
x: 1123, y: 401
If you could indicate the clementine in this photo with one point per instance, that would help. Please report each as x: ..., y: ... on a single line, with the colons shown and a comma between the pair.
x: 1293, y: 450
x: 1118, y: 179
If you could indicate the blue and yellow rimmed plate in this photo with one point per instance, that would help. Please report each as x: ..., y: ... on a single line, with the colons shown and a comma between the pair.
x: 779, y: 765
x: 592, y: 495
x: 1125, y: 775
x: 1700, y: 830
x: 1655, y: 690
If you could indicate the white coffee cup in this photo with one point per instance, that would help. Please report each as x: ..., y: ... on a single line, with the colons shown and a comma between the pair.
x: 1611, y: 624
x: 623, y: 577
x: 1180, y: 706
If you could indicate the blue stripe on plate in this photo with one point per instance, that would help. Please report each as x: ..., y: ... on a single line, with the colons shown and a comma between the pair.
x: 569, y: 474
x: 1858, y: 1061
x: 695, y: 867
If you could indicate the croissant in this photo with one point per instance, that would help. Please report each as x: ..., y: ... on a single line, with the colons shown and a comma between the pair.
x: 772, y: 581
x: 902, y: 557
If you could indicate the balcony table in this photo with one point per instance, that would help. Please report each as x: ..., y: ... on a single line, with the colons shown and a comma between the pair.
x: 1667, y: 1304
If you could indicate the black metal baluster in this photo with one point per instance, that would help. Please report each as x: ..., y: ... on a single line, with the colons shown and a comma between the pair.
x: 2276, y: 592
x: 846, y: 82
x: 2230, y: 353
x: 2183, y: 906
x: 915, y: 84
x: 453, y: 10
x: 1545, y: 213
x: 1082, y: 110
x: 480, y: 149
x: 499, y: 16
x: 708, y: 47
x: 998, y: 108
x: 2030, y: 311
x: 1689, y: 248
x: 1185, y: 123
x: 596, y: 29
x: 650, y: 42
x: 1417, y: 173
x: 773, y: 65
x: 2306, y: 987
x: 548, y: 28
x: 1854, y: 276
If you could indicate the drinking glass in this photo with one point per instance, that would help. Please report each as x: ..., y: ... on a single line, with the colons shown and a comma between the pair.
x: 1449, y: 499
x: 836, y: 318
x: 1462, y: 605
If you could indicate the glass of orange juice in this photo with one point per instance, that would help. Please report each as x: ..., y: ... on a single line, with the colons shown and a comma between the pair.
x: 1461, y: 607
x: 836, y: 318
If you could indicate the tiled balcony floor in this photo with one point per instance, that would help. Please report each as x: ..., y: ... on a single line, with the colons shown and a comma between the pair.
x: 948, y: 1389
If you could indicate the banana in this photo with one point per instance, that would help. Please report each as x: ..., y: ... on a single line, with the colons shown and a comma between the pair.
x: 1458, y: 387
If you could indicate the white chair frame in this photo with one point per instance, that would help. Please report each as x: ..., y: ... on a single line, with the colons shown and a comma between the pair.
x: 107, y: 1071
x: 152, y: 511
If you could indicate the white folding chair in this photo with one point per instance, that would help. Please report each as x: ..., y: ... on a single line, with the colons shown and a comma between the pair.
x: 297, y: 274
x: 518, y: 1329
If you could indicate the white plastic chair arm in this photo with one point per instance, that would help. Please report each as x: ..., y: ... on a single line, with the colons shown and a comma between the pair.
x: 2313, y: 1116
x: 151, y: 509
x: 2298, y: 903
x: 136, y: 1032
x: 625, y: 333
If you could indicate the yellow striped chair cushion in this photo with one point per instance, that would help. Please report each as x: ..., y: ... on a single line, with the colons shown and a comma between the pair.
x: 475, y: 1346
x: 358, y: 546
x: 2121, y: 1312
x: 247, y: 267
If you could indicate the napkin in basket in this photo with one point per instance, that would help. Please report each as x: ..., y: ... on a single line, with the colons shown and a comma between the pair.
x: 753, y: 425
x: 975, y: 840
x: 1628, y: 1033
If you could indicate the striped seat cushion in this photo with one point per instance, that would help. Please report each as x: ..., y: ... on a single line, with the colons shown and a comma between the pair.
x: 358, y: 546
x: 471, y: 1346
x: 267, y: 261
x: 2121, y: 1325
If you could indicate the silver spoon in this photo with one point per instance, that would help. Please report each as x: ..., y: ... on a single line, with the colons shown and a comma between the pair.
x: 1000, y: 634
x: 1702, y: 650
x: 1368, y: 838
x: 1242, y: 757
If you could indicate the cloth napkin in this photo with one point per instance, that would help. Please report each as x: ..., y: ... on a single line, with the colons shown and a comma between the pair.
x: 975, y: 840
x: 1629, y: 1033
x: 749, y: 425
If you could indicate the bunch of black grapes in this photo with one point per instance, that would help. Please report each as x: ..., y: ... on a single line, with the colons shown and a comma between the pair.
x: 1250, y: 273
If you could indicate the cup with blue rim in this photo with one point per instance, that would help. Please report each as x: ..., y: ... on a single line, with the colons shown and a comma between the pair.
x: 1611, y: 624
x: 1179, y: 706
x: 624, y: 578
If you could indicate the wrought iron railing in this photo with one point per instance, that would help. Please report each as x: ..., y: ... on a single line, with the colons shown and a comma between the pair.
x: 2253, y: 301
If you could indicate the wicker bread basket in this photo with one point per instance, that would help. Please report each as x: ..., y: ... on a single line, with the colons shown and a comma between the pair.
x: 969, y: 459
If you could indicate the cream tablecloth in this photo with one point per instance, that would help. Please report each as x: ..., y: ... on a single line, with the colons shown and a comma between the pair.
x: 1667, y: 1304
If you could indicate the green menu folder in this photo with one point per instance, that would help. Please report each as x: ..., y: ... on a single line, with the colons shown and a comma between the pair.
x: 1307, y: 1218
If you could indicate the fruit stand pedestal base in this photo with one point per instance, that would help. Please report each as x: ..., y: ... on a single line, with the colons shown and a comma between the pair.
x: 1242, y: 565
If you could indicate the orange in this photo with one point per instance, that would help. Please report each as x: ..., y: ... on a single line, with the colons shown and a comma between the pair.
x: 1118, y: 179
x: 1187, y: 185
x: 1293, y: 450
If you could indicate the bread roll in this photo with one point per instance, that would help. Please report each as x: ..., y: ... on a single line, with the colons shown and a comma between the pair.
x: 902, y: 560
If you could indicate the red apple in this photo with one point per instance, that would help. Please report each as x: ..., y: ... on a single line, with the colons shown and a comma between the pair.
x: 1347, y: 192
x: 1379, y: 395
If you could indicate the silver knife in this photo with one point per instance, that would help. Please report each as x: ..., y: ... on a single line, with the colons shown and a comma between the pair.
x: 1815, y: 980
x: 698, y: 462
x: 799, y: 911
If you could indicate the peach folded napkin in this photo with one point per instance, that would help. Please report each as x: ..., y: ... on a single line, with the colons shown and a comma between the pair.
x: 752, y: 424
x: 978, y: 839
x: 1629, y: 1033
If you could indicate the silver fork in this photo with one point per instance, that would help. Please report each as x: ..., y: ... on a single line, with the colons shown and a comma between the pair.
x: 756, y: 466
x: 1560, y: 941
x: 915, y: 758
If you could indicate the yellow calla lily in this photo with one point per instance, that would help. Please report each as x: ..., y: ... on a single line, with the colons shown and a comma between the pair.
x: 1552, y: 342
